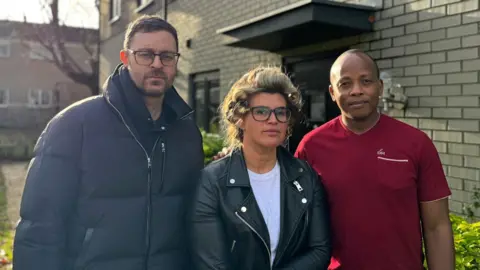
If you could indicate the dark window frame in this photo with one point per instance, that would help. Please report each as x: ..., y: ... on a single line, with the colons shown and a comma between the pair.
x: 202, y: 83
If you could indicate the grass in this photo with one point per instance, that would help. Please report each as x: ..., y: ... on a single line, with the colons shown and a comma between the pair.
x: 6, y: 233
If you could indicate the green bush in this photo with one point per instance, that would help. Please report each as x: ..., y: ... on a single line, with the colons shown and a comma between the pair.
x: 212, y: 144
x: 467, y: 243
x: 466, y: 236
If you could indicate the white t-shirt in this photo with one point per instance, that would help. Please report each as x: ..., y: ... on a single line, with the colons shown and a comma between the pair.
x: 266, y: 188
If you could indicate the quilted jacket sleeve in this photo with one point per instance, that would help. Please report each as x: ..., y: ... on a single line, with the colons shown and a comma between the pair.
x: 49, y: 195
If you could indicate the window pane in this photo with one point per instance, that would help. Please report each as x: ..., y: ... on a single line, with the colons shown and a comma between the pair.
x: 317, y: 109
x: 199, y: 105
x: 4, y: 50
x: 33, y: 97
x: 45, y: 97
x: 215, y: 96
x: 117, y: 7
x: 3, y: 97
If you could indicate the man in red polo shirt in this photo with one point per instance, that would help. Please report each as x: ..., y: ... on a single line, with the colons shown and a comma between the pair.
x: 385, y: 183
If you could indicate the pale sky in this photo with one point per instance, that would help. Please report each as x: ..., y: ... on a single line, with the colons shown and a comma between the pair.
x: 80, y: 13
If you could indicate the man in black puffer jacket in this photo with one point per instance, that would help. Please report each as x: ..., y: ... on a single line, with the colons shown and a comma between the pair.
x: 112, y: 177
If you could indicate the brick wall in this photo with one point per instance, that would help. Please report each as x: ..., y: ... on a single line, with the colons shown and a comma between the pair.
x: 433, y: 47
x: 430, y: 47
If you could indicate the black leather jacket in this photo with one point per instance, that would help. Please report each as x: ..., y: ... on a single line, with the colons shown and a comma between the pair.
x: 228, y: 228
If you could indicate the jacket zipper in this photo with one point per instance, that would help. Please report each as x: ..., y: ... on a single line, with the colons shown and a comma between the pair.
x: 149, y: 200
x: 163, y: 162
x: 149, y: 178
x: 164, y: 153
x: 265, y: 243
x: 233, y: 245
x: 297, y: 185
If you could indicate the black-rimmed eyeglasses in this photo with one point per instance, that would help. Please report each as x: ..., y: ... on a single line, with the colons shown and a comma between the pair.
x: 262, y: 113
x: 146, y: 58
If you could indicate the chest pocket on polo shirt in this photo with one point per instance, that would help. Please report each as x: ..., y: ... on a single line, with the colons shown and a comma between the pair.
x: 395, y: 173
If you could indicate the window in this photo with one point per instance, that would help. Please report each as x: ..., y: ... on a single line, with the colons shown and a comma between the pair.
x: 141, y: 3
x: 115, y: 9
x: 4, y: 48
x: 4, y: 97
x: 38, y: 52
x: 205, y: 99
x: 39, y: 98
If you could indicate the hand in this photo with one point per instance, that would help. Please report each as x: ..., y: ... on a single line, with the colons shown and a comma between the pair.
x: 225, y: 151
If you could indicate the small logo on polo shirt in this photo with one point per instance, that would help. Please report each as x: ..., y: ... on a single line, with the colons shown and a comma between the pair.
x: 381, y: 152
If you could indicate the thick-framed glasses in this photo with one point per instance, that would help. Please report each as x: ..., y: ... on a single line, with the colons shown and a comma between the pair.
x: 262, y: 113
x: 146, y: 58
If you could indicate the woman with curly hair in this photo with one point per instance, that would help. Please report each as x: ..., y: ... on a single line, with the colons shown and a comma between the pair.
x: 260, y: 208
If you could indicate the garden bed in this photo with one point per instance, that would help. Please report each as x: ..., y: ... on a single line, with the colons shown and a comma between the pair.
x: 6, y: 232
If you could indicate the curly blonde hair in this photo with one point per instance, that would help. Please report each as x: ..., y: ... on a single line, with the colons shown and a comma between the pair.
x: 235, y: 105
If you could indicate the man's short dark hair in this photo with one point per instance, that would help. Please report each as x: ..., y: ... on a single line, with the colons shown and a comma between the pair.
x: 148, y: 24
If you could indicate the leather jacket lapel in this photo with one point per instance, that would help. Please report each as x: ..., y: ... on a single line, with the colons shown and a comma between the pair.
x: 294, y: 203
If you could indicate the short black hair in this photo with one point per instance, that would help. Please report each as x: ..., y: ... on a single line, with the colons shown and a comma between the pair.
x: 148, y: 24
x: 358, y: 51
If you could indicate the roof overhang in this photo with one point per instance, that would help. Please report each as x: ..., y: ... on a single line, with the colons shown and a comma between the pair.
x: 303, y: 23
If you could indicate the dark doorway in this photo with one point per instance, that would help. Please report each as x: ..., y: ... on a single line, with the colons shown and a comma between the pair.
x: 311, y: 75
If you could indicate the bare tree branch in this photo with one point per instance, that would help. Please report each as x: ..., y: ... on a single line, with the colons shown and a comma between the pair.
x: 54, y: 36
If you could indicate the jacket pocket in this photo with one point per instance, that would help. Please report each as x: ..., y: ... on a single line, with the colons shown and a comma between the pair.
x: 82, y: 255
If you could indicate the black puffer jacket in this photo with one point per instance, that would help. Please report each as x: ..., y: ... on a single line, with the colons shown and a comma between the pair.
x: 228, y: 230
x: 97, y: 199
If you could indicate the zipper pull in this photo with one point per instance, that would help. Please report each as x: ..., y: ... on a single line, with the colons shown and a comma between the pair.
x: 163, y: 147
x: 299, y: 188
x: 149, y: 161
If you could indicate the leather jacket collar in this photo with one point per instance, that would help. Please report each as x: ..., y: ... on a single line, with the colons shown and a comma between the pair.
x: 293, y: 198
x: 238, y: 168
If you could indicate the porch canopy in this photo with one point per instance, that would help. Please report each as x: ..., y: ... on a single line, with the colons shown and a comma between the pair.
x: 299, y: 24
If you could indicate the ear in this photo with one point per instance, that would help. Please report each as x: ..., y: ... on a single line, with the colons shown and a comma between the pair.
x: 124, y: 57
x: 330, y: 90
x: 240, y: 124
x: 381, y: 88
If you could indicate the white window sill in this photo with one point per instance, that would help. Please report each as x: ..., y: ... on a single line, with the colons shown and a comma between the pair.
x: 40, y: 106
x: 144, y: 6
x: 114, y: 19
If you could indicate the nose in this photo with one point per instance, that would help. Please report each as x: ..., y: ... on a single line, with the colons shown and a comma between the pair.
x: 157, y: 63
x: 356, y: 89
x: 272, y: 119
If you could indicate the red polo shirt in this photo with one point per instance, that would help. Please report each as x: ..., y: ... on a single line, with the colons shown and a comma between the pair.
x: 375, y: 182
